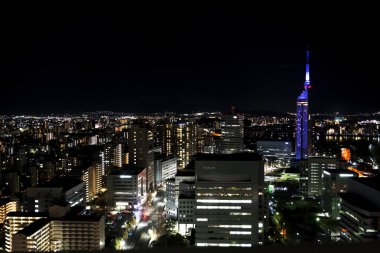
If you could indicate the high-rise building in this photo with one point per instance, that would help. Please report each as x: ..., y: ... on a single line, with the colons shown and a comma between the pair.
x: 93, y: 178
x: 232, y: 134
x: 334, y: 181
x: 126, y: 187
x: 140, y: 142
x: 118, y: 155
x: 140, y: 150
x: 179, y: 139
x: 316, y: 166
x: 302, y: 121
x: 108, y: 158
x: 230, y: 202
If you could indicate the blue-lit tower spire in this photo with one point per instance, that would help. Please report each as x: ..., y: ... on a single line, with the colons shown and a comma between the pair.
x: 307, y: 76
x: 302, y: 122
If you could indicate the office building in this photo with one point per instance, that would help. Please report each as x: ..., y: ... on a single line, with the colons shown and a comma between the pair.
x: 230, y: 203
x: 360, y: 210
x: 186, y: 203
x: 173, y: 188
x: 316, y: 166
x: 165, y: 167
x: 302, y: 121
x: 277, y: 149
x: 334, y: 181
x: 126, y: 187
x: 232, y: 134
x: 68, y: 189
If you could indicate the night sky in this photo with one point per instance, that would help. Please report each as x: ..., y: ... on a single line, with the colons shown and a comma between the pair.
x: 158, y: 59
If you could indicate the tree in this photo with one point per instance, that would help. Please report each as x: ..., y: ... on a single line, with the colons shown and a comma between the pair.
x: 170, y: 241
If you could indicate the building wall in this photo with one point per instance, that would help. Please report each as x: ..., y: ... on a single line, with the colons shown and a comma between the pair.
x: 179, y: 139
x: 316, y: 165
x: 230, y: 204
x: 360, y: 211
x: 9, y: 206
x: 140, y: 142
x: 185, y: 214
x: 332, y: 185
x: 93, y: 180
x: 165, y: 168
x: 39, y: 199
x: 125, y: 190
x: 14, y: 225
x: 232, y: 127
x: 358, y: 224
x: 171, y: 199
x: 76, y: 195
x: 79, y: 235
x: 280, y: 149
x: 302, y: 126
x: 38, y: 241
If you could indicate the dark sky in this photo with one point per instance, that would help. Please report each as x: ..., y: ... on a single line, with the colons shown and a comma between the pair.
x: 185, y: 59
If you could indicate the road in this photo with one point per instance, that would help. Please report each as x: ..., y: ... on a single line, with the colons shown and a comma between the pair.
x: 150, y: 226
x: 150, y: 220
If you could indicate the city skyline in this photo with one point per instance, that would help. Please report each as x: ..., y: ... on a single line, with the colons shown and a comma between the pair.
x: 207, y: 60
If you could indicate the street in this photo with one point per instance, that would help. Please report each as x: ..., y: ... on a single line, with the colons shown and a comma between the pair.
x: 148, y: 225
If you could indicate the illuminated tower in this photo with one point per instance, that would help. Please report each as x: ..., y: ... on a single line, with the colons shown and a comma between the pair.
x: 302, y: 122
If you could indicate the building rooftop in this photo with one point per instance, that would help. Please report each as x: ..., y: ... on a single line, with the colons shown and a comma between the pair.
x: 34, y: 226
x: 372, y: 182
x: 28, y: 214
x: 164, y: 157
x: 61, y: 182
x: 359, y: 201
x: 81, y: 218
x: 126, y: 170
x: 244, y: 156
x: 185, y: 173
